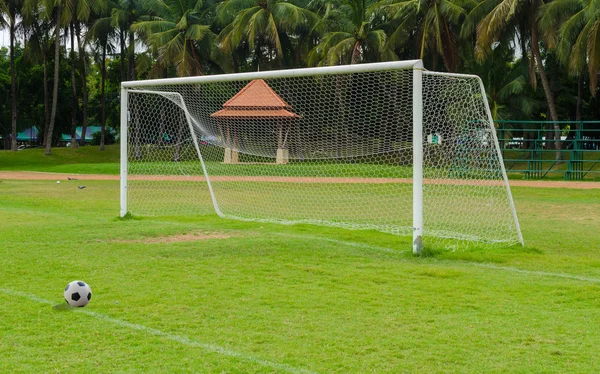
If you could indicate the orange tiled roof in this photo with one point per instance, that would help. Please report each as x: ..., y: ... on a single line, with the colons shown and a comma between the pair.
x: 255, y: 100
x: 257, y: 93
x: 254, y: 113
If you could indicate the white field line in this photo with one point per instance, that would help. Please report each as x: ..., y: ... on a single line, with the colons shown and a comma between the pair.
x: 535, y: 272
x: 457, y: 263
x: 176, y: 338
x: 344, y: 242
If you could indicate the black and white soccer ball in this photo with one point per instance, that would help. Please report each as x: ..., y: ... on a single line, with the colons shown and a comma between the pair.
x: 78, y: 294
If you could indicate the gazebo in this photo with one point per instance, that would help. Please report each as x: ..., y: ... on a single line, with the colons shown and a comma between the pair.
x: 256, y: 101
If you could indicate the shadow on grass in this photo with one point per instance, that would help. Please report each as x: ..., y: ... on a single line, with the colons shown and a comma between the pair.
x: 128, y: 217
x: 369, y: 242
x: 480, y: 253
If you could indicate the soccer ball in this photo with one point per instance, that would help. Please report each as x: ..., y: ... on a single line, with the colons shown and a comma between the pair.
x: 78, y: 294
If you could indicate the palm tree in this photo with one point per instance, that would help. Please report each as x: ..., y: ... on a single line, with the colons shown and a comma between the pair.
x: 505, y: 84
x: 100, y: 34
x: 178, y: 34
x: 262, y: 25
x: 354, y: 35
x: 51, y: 10
x: 124, y: 13
x: 572, y: 29
x: 10, y: 9
x: 434, y: 22
x: 74, y: 100
x: 39, y: 47
x: 77, y: 13
x: 494, y: 19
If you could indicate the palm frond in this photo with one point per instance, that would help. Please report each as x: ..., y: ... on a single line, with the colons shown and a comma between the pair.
x: 340, y: 53
x: 475, y: 16
x: 593, y: 54
x: 491, y: 26
x: 228, y: 10
x: 257, y: 25
x: 171, y: 49
x: 451, y: 11
x: 569, y: 32
x: 401, y: 33
x: 514, y: 87
x: 273, y: 36
x: 376, y: 40
x: 197, y: 32
x: 577, y: 56
x: 291, y: 18
x: 554, y: 14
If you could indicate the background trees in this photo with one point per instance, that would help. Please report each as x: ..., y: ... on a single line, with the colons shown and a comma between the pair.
x: 509, y: 43
x: 354, y: 35
x: 178, y: 35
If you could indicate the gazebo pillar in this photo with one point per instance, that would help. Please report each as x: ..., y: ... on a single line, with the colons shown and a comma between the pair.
x: 231, y: 156
x: 283, y: 155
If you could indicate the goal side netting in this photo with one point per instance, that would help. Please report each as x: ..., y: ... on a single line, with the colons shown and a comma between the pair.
x: 320, y: 148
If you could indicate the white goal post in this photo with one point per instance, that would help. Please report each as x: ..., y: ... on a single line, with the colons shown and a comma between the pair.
x: 349, y: 146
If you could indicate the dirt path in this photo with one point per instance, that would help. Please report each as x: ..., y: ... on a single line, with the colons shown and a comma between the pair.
x: 32, y: 175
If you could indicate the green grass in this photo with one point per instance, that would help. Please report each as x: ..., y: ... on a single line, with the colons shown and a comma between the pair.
x: 516, y: 162
x: 90, y: 160
x: 273, y: 298
x: 84, y: 160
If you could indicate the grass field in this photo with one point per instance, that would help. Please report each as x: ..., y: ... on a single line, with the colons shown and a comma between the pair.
x: 263, y: 298
x: 89, y: 160
x: 203, y: 294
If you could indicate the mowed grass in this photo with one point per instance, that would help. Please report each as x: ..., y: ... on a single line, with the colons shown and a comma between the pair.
x: 84, y: 160
x: 251, y: 297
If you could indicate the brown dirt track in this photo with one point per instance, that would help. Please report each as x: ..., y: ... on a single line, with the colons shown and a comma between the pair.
x: 32, y: 175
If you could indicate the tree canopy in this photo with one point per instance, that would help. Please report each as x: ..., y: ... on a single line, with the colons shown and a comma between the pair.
x: 47, y: 79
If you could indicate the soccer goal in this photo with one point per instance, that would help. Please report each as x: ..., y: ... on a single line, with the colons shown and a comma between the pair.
x: 385, y: 146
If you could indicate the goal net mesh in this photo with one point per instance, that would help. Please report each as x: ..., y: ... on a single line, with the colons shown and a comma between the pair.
x: 324, y: 149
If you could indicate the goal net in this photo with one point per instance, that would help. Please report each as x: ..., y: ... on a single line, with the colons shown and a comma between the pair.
x: 386, y: 146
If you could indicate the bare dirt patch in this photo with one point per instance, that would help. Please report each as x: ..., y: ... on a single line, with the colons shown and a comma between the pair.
x: 190, y: 237
x: 38, y: 175
x: 32, y: 175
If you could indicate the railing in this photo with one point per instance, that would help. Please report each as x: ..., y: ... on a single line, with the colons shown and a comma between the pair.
x: 530, y: 147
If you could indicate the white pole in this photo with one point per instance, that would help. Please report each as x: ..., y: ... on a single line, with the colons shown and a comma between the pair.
x: 288, y: 73
x: 124, y: 129
x: 418, y: 158
x: 492, y: 129
x: 499, y: 153
x: 181, y: 104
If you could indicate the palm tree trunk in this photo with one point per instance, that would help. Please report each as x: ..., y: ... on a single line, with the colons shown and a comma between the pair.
x: 84, y: 90
x: 579, y: 97
x: 103, y: 98
x: 355, y: 59
x: 123, y: 54
x: 73, y: 90
x: 131, y: 58
x: 56, y: 77
x: 46, y: 106
x: 549, y: 95
x: 13, y: 84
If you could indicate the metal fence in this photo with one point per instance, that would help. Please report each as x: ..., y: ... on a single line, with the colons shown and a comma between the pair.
x: 538, y: 150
